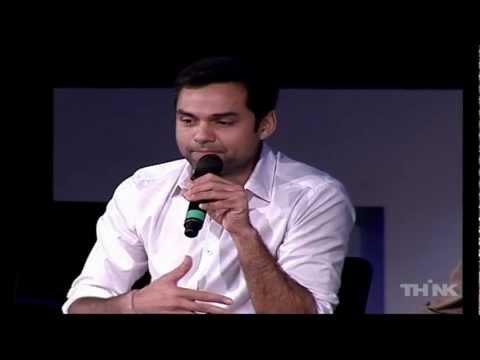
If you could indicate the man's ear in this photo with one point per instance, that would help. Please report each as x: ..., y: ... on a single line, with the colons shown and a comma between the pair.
x: 268, y: 125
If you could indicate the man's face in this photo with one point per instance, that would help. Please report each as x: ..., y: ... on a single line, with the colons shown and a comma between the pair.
x: 215, y: 119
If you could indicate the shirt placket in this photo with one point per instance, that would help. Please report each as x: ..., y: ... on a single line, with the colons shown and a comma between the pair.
x: 209, y: 252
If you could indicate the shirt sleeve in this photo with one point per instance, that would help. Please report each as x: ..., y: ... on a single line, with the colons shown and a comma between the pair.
x: 118, y: 257
x: 316, y: 242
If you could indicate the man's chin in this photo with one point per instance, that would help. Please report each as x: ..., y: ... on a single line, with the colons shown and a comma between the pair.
x: 194, y: 156
x: 193, y: 161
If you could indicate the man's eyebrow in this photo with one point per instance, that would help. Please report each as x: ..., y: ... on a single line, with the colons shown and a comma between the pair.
x: 213, y: 116
x: 185, y: 113
x: 225, y: 114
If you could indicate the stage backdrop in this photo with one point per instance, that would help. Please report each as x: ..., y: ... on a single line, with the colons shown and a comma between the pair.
x: 400, y: 150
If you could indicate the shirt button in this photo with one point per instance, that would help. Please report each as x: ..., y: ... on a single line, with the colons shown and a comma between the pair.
x: 209, y: 252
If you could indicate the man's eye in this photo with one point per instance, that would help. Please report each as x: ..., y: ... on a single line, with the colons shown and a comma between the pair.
x: 186, y: 121
x: 225, y: 123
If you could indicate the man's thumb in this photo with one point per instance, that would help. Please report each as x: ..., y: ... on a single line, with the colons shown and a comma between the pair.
x: 180, y: 271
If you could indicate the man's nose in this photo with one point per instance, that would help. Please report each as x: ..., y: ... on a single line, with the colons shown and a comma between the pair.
x: 204, y: 134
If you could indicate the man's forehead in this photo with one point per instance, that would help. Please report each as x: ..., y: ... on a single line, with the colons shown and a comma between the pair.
x: 222, y: 96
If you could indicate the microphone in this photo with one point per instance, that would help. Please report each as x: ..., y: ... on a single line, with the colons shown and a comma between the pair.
x: 195, y: 217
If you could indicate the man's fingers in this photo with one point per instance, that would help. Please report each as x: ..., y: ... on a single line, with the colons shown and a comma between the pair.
x: 198, y: 307
x: 221, y: 206
x: 210, y: 309
x: 211, y: 195
x: 215, y: 186
x: 211, y: 178
x: 221, y: 213
x: 179, y: 312
x: 204, y: 296
x: 180, y: 271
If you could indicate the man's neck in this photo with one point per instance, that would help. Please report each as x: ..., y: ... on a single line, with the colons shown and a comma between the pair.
x: 242, y: 178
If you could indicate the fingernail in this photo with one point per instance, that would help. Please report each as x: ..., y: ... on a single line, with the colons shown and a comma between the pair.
x: 202, y: 206
x: 229, y: 301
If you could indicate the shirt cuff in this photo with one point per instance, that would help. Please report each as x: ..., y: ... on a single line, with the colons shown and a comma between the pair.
x: 85, y: 291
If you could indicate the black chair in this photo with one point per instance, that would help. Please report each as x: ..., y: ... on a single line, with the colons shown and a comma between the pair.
x: 356, y: 280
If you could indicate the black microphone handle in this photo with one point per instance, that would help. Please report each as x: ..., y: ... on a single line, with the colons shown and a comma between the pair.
x: 196, y: 216
x: 194, y: 219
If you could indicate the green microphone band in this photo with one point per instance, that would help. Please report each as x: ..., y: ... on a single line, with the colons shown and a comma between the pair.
x: 196, y: 214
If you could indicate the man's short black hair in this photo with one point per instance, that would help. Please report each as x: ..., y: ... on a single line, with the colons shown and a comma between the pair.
x: 262, y: 91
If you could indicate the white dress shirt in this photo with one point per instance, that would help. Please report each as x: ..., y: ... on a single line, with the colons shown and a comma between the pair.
x: 302, y: 214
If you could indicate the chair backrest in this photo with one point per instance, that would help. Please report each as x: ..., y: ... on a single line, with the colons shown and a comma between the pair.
x: 355, y: 286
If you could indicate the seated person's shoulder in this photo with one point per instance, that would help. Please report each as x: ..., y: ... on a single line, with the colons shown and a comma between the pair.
x: 150, y: 178
x: 157, y: 174
x: 296, y: 175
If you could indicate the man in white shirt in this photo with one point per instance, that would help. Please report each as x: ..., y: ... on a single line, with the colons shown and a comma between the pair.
x: 276, y: 231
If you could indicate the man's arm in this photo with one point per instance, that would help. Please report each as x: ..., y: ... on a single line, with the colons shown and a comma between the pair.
x: 118, y: 258
x: 121, y: 304
x: 162, y: 296
x: 306, y: 275
x: 271, y: 289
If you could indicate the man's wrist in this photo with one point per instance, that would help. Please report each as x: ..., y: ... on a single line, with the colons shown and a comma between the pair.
x: 244, y: 234
x: 130, y: 302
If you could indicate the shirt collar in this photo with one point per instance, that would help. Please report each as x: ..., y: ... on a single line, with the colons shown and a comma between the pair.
x: 260, y: 182
x: 184, y: 180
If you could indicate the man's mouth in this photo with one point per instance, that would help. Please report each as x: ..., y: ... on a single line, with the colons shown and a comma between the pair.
x: 206, y: 152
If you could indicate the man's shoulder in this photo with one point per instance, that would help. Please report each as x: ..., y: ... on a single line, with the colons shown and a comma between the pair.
x: 163, y: 173
x: 160, y: 171
x: 303, y: 182
x: 294, y: 173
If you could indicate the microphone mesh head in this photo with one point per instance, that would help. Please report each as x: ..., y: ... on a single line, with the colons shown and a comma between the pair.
x: 209, y: 163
